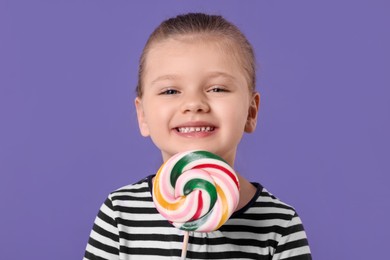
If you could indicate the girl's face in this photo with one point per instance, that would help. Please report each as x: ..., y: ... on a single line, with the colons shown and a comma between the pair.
x: 195, y: 96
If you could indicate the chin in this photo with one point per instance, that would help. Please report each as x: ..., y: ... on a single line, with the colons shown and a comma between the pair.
x: 193, y: 148
x: 200, y: 147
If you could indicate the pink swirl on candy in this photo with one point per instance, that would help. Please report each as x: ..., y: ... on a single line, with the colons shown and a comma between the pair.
x: 196, y: 191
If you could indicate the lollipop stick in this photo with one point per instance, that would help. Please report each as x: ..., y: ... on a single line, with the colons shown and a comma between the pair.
x: 185, y: 245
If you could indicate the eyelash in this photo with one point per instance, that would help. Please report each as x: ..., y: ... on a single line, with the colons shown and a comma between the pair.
x: 217, y: 89
x: 169, y: 92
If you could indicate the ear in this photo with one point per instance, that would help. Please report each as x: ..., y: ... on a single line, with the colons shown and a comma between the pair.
x: 253, y: 110
x: 142, y: 122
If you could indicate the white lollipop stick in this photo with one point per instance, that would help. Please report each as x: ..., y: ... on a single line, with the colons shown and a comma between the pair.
x: 185, y: 245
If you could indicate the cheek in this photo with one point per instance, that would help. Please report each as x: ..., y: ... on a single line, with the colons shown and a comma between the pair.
x: 158, y: 113
x: 237, y: 110
x: 234, y: 117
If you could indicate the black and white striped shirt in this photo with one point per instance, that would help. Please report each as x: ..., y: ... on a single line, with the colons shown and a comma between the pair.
x: 129, y: 227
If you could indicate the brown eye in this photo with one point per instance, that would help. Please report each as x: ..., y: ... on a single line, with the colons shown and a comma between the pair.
x: 169, y: 92
x: 218, y: 89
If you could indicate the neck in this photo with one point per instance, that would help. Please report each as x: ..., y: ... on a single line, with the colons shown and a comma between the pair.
x: 247, y: 191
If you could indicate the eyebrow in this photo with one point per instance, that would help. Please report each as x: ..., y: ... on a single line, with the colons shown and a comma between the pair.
x: 164, y: 77
x: 214, y: 74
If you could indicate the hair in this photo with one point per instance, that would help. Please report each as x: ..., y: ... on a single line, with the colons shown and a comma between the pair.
x: 203, y: 26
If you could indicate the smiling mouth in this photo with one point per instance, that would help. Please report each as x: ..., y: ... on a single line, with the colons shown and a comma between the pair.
x: 196, y: 129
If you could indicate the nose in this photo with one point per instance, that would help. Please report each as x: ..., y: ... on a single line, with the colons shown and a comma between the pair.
x: 196, y: 103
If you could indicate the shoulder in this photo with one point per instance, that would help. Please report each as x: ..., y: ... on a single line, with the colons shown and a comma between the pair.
x: 134, y: 187
x: 270, y: 203
x: 138, y: 192
x: 265, y: 204
x: 267, y: 212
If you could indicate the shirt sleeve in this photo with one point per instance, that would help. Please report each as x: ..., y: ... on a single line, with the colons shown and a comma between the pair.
x: 293, y: 244
x: 103, y: 243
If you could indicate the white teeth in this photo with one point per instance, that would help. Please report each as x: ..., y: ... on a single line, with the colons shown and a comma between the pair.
x: 195, y: 129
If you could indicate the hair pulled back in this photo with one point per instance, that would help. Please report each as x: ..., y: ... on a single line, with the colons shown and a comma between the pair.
x: 203, y: 26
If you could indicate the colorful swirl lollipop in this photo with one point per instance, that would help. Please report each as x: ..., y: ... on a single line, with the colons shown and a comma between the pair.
x: 196, y: 191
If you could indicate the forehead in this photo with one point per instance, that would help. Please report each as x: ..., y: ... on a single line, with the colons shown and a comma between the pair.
x: 227, y: 48
x: 211, y: 52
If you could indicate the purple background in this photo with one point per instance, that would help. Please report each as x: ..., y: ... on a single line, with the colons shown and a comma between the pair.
x: 68, y: 132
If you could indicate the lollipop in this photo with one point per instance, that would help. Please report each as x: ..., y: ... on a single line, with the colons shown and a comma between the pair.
x: 196, y: 191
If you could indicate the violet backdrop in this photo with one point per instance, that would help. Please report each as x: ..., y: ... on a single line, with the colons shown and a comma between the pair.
x: 68, y: 131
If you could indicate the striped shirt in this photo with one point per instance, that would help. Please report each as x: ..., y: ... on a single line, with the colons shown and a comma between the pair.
x: 128, y: 226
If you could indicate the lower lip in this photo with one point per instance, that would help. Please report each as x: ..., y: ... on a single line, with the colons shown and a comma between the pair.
x: 195, y: 134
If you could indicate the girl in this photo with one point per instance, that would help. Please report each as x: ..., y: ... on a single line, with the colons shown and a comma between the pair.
x: 196, y: 90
